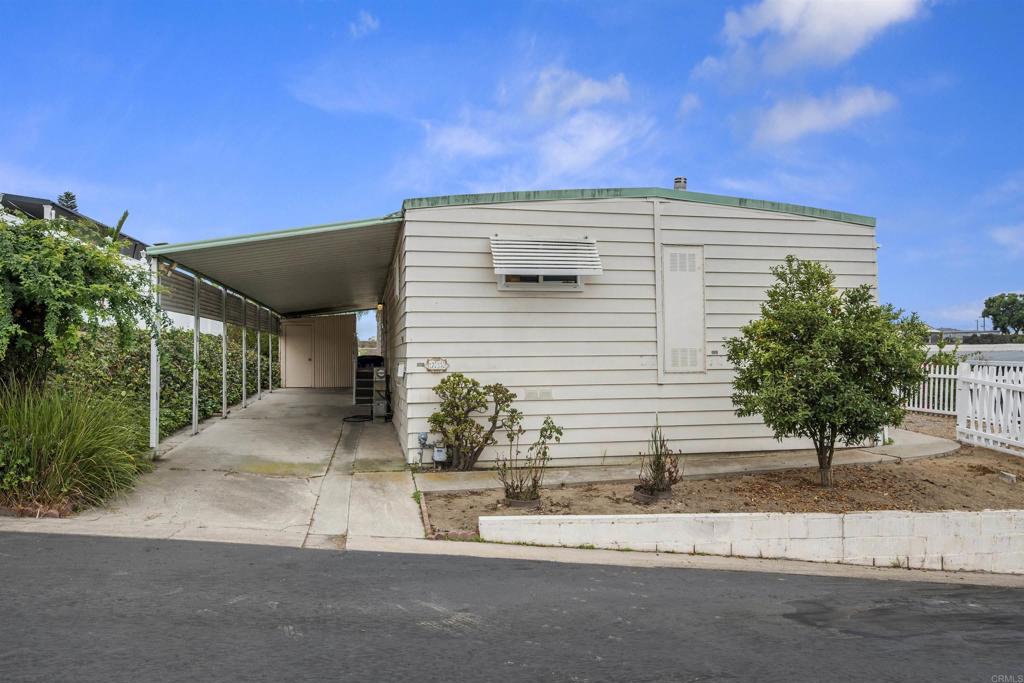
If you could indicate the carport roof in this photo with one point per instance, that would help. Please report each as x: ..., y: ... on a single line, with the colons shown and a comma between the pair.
x: 339, y: 267
x: 335, y: 267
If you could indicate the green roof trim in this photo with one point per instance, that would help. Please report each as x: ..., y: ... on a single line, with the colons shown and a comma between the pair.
x: 521, y: 196
x: 635, y: 192
x: 164, y: 249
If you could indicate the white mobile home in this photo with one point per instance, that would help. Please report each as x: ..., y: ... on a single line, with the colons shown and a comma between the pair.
x: 607, y: 309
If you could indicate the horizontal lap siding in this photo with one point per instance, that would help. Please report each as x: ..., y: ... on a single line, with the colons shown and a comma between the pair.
x: 590, y: 358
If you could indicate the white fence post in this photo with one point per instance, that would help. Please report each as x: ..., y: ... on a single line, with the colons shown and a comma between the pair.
x: 963, y: 372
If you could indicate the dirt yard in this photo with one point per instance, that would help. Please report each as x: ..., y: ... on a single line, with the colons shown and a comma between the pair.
x: 968, y: 480
x: 936, y: 425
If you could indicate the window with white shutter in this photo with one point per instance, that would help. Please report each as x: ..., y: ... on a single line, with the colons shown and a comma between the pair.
x: 682, y: 294
x: 544, y: 264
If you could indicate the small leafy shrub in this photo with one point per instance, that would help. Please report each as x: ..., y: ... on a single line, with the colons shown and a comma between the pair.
x: 522, y: 479
x: 659, y: 466
x: 462, y: 399
x: 66, y: 450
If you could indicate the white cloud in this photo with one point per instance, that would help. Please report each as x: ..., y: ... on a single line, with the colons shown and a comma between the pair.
x: 1010, y: 238
x: 780, y: 35
x: 551, y: 127
x: 790, y: 120
x: 562, y: 90
x: 1009, y: 189
x: 454, y: 141
x: 364, y: 24
x: 690, y: 102
x: 586, y: 139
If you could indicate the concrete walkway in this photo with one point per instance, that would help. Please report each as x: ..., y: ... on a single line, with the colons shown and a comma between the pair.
x: 279, y: 472
x: 906, y: 446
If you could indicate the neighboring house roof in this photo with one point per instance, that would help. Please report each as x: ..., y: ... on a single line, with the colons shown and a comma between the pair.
x: 36, y: 207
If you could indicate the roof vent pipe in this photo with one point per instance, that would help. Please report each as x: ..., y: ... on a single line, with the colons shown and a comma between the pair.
x: 679, y: 184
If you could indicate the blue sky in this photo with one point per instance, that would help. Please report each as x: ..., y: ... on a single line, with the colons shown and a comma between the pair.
x: 215, y: 118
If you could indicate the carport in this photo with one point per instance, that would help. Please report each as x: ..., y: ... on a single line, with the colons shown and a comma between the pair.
x: 259, y: 281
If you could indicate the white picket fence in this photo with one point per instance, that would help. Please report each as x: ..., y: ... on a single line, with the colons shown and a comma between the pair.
x: 990, y: 405
x: 937, y: 393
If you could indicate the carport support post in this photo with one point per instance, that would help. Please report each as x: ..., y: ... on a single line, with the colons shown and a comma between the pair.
x: 245, y: 324
x: 259, y: 353
x: 154, y: 360
x: 195, y: 353
x: 270, y: 354
x: 223, y: 353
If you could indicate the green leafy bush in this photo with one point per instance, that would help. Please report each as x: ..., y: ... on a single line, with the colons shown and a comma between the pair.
x: 462, y: 435
x: 66, y: 450
x: 63, y: 282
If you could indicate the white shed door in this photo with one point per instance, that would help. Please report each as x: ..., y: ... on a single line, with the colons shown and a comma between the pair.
x: 298, y: 344
x: 682, y: 272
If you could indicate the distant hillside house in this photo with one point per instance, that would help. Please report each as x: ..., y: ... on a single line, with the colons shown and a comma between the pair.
x: 48, y: 209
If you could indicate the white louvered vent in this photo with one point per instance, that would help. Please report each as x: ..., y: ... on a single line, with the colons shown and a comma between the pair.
x: 682, y: 262
x: 685, y: 358
x: 514, y: 256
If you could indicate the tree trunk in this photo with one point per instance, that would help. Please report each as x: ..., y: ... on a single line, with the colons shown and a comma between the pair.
x: 826, y: 476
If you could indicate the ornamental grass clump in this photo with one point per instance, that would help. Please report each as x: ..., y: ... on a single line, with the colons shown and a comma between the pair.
x: 64, y: 451
x: 659, y: 466
x: 522, y: 478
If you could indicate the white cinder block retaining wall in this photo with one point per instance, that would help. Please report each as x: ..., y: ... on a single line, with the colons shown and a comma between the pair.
x: 991, y: 541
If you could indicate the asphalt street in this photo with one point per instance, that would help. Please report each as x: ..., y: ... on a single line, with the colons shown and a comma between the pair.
x: 76, y: 608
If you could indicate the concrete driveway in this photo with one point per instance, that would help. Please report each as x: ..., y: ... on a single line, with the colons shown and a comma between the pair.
x: 279, y: 472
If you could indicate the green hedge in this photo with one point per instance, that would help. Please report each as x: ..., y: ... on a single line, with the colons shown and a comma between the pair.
x: 110, y: 369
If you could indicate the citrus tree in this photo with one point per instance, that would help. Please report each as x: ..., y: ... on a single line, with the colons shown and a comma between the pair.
x: 60, y: 281
x: 825, y: 365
